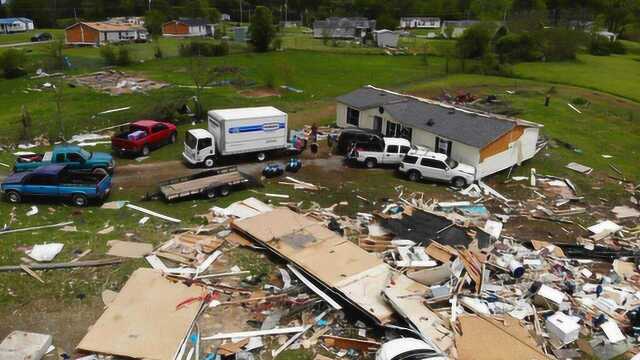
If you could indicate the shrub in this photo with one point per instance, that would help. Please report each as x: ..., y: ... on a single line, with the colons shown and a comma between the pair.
x: 124, y: 56
x: 599, y: 45
x: 560, y: 44
x: 11, y: 62
x: 157, y: 53
x: 475, y: 41
x: 617, y: 47
x: 202, y: 48
x: 518, y: 47
x: 109, y: 55
x: 261, y: 29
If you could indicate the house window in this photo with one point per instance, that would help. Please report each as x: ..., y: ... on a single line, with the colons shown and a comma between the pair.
x: 353, y: 117
x: 391, y: 129
x: 443, y: 146
x: 406, y: 132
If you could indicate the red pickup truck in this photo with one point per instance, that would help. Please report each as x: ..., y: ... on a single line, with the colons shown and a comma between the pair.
x: 143, y: 136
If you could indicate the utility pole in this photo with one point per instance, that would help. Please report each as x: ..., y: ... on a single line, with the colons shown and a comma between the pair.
x: 286, y: 10
x: 240, y: 1
x: 149, y: 4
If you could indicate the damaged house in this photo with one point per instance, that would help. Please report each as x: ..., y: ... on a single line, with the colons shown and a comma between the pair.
x: 343, y: 28
x: 489, y: 142
x: 188, y: 27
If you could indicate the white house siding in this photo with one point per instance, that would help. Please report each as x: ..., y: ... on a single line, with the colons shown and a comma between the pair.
x: 385, y: 39
x: 198, y: 30
x: 520, y: 150
x: 459, y: 151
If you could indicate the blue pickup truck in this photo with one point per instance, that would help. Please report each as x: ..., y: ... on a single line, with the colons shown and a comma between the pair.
x: 57, y: 181
x: 76, y: 157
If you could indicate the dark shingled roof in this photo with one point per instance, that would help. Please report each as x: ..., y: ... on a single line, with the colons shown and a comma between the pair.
x: 473, y: 129
x: 193, y: 22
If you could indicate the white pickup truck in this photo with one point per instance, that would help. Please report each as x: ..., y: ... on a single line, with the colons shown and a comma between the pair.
x: 389, y: 151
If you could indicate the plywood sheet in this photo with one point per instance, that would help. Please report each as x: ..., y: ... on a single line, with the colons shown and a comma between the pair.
x: 479, y: 337
x: 142, y: 322
x: 406, y: 296
x: 129, y: 249
x: 274, y: 224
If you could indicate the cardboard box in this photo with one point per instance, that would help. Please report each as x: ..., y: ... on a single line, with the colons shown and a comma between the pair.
x: 563, y: 328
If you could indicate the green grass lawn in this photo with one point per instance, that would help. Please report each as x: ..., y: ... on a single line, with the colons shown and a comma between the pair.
x: 615, y: 74
x: 305, y: 41
x: 26, y: 36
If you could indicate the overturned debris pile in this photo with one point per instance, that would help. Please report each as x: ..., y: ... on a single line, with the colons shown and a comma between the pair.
x: 117, y: 82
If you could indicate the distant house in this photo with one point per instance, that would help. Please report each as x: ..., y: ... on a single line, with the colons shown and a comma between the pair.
x: 101, y: 33
x: 13, y: 25
x: 386, y: 38
x: 225, y: 17
x: 131, y: 20
x: 489, y: 142
x: 343, y: 28
x: 188, y: 27
x: 420, y: 22
x: 458, y: 27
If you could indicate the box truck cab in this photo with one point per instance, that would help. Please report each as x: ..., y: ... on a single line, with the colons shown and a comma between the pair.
x: 256, y: 130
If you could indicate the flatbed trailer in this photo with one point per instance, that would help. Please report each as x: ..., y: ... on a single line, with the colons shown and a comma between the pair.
x: 210, y: 183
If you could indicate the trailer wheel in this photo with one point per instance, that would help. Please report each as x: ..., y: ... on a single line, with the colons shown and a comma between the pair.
x: 14, y: 197
x: 224, y: 191
x: 209, y: 162
x: 211, y: 193
x: 262, y: 156
x: 79, y: 200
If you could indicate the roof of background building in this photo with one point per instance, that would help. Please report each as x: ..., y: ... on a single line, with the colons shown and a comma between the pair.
x: 106, y: 26
x: 472, y: 128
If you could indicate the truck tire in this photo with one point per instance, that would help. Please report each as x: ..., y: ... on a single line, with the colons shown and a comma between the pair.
x: 458, y: 182
x: 145, y: 150
x: 261, y: 156
x: 370, y: 163
x: 211, y: 193
x: 13, y: 197
x: 100, y: 171
x: 414, y: 175
x: 209, y: 162
x: 173, y: 138
x: 224, y: 191
x: 79, y: 200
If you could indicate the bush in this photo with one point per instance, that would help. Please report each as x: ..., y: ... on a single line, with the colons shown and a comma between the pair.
x: 617, y: 47
x: 261, y: 29
x: 109, y: 55
x: 560, y: 44
x: 518, y: 47
x: 124, y: 56
x: 11, y: 62
x: 202, y: 48
x: 120, y: 56
x: 475, y: 41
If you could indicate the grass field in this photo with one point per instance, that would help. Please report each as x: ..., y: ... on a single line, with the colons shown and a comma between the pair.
x: 615, y: 74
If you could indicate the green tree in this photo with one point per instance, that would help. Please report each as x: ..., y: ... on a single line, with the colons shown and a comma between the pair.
x: 490, y: 9
x: 261, y: 29
x: 387, y: 21
x: 153, y: 21
x: 475, y: 42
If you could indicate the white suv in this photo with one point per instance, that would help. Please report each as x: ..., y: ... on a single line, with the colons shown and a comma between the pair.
x: 418, y: 164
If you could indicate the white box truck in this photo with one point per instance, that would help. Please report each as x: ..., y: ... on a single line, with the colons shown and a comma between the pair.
x: 257, y: 130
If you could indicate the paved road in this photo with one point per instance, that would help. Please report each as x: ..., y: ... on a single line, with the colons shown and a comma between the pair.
x: 24, y: 44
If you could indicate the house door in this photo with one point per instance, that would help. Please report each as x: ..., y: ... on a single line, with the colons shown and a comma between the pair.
x: 377, y: 123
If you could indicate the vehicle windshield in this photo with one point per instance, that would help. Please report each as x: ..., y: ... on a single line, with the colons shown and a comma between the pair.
x: 452, y: 163
x: 190, y: 140
x: 85, y: 154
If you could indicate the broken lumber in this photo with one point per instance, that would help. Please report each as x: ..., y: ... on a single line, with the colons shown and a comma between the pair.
x: 35, y: 228
x: 247, y: 334
x: 347, y: 343
x: 67, y: 265
x: 153, y: 213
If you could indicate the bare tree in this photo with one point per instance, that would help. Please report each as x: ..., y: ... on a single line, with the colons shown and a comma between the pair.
x: 202, y: 74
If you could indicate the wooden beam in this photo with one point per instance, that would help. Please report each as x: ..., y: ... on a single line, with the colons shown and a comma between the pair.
x: 67, y: 265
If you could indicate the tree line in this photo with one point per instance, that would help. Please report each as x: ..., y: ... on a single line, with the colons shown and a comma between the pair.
x: 617, y: 15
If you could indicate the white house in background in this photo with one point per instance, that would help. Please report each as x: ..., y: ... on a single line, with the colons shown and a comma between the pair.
x: 420, y: 22
x: 188, y: 27
x: 225, y: 17
x: 458, y: 27
x: 131, y: 20
x: 608, y: 34
x: 489, y: 142
x: 386, y: 38
x: 343, y: 28
x: 13, y: 25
